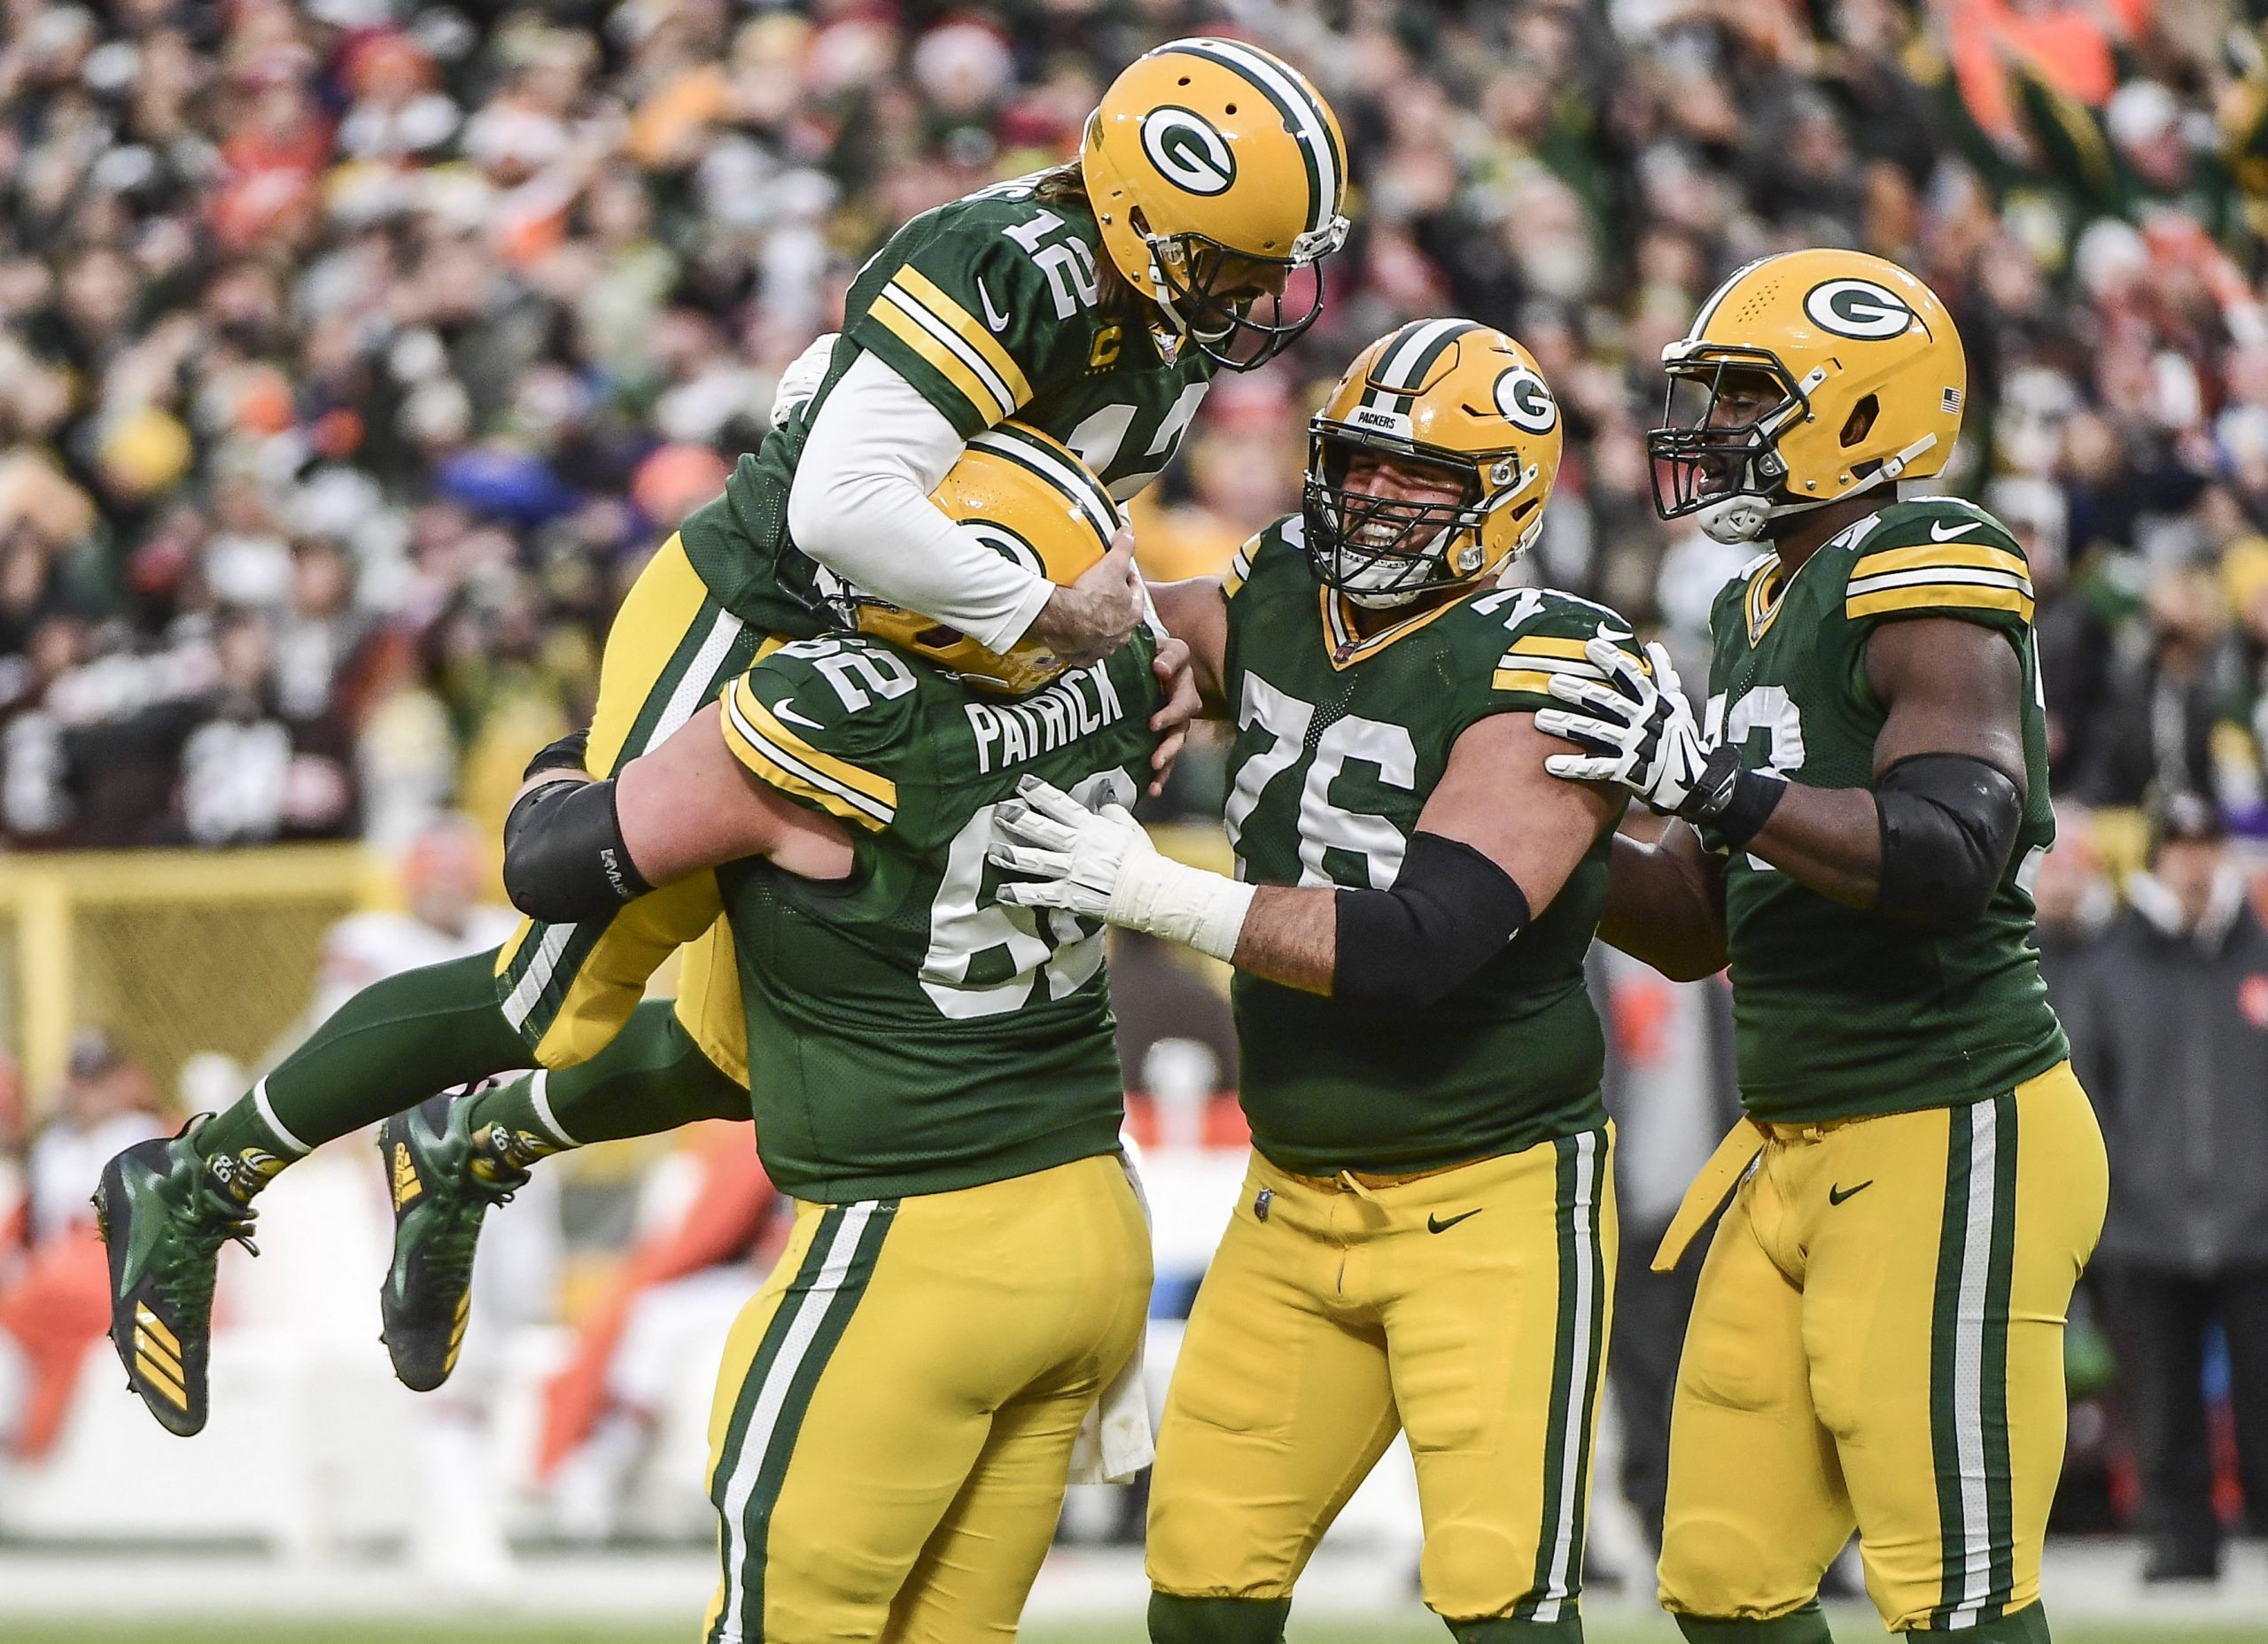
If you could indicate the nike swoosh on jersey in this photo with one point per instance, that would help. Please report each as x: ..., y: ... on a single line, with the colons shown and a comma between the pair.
x: 1836, y: 1195
x: 997, y: 322
x: 1938, y: 535
x: 1434, y: 1224
x: 785, y: 709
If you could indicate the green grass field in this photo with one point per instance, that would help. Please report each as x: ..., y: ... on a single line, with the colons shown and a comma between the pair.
x: 1419, y: 1631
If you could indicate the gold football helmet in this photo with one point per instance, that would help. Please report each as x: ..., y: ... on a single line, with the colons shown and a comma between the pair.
x: 1214, y: 168
x: 1449, y: 394
x: 1857, y: 379
x: 1031, y: 499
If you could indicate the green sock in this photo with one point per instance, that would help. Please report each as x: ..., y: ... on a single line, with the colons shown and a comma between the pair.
x: 1217, y: 1620
x: 2028, y: 1626
x: 388, y: 1047
x: 1511, y: 1629
x: 1808, y: 1626
x: 650, y: 1078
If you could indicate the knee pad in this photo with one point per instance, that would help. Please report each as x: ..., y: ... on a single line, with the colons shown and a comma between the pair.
x: 1713, y: 1568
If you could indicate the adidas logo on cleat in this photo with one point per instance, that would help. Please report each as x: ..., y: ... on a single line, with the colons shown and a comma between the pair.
x: 406, y: 1184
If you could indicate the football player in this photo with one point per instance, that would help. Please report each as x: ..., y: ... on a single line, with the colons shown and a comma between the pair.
x: 970, y: 1265
x: 1424, y: 1241
x: 1878, y: 1338
x: 1093, y: 302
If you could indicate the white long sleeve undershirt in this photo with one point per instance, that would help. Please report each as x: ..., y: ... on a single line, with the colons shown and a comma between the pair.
x: 859, y: 505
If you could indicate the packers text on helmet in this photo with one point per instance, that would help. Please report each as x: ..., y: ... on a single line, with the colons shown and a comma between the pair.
x: 1447, y: 395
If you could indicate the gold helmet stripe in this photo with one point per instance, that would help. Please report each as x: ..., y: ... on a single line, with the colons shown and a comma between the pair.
x: 1030, y: 449
x: 1403, y: 362
x: 1326, y: 168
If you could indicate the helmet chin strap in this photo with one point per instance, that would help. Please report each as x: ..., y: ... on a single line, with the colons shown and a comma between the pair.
x: 1742, y: 518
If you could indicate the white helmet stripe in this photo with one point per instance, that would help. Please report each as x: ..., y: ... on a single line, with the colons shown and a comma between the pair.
x: 1069, y: 478
x: 1311, y: 131
x: 1395, y: 372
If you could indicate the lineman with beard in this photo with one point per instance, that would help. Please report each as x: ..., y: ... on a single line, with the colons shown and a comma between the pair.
x: 1093, y: 302
x: 1426, y: 1239
x: 970, y: 1266
x: 1878, y: 1339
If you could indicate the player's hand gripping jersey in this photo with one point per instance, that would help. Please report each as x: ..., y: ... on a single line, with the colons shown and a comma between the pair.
x: 917, y: 1036
x: 1838, y: 1011
x: 1340, y: 742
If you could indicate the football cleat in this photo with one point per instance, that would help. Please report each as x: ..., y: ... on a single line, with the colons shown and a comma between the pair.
x: 163, y: 1214
x: 445, y: 1178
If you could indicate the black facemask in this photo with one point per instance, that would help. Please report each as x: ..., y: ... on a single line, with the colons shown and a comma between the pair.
x: 1696, y: 463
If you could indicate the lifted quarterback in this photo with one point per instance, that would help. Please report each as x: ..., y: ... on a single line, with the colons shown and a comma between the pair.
x: 1878, y: 1339
x: 1093, y: 303
x: 1426, y: 1239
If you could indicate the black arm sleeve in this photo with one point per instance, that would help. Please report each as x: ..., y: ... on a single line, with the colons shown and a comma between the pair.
x: 1948, y: 825
x: 1451, y: 909
x: 563, y: 856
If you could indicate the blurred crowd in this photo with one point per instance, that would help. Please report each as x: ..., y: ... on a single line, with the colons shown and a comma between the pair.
x: 353, y: 354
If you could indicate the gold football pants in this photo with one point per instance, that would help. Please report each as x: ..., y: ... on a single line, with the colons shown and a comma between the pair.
x: 1468, y: 1308
x: 568, y: 988
x: 895, y: 1413
x: 1878, y: 1344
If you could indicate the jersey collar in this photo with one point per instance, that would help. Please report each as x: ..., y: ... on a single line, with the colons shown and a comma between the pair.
x: 1347, y: 648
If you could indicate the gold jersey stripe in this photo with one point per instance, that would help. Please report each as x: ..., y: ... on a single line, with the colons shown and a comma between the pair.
x: 1938, y: 596
x: 1546, y: 645
x: 1239, y: 570
x: 781, y: 758
x: 940, y: 303
x: 1521, y: 680
x: 980, y: 395
x: 1939, y: 556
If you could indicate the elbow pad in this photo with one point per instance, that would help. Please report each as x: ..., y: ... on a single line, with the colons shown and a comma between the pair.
x: 1451, y: 909
x: 1948, y: 825
x: 563, y: 856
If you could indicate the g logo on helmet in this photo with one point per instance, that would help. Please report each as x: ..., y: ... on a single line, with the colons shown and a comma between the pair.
x: 1858, y: 308
x: 1005, y: 543
x: 1525, y: 402
x: 1187, y: 150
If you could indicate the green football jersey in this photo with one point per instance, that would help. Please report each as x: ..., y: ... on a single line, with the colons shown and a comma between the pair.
x: 1340, y: 742
x: 907, y: 1033
x: 1839, y: 1012
x: 990, y: 307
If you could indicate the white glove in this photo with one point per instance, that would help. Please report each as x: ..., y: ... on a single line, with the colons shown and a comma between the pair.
x: 801, y: 380
x: 1640, y: 731
x: 1099, y: 865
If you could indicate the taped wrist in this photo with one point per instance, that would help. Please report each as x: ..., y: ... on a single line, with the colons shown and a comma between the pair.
x: 1949, y: 824
x: 1450, y: 911
x: 1189, y: 906
x: 563, y: 856
x: 568, y: 753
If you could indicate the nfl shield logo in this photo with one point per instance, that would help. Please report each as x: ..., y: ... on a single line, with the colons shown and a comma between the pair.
x: 1260, y: 1204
